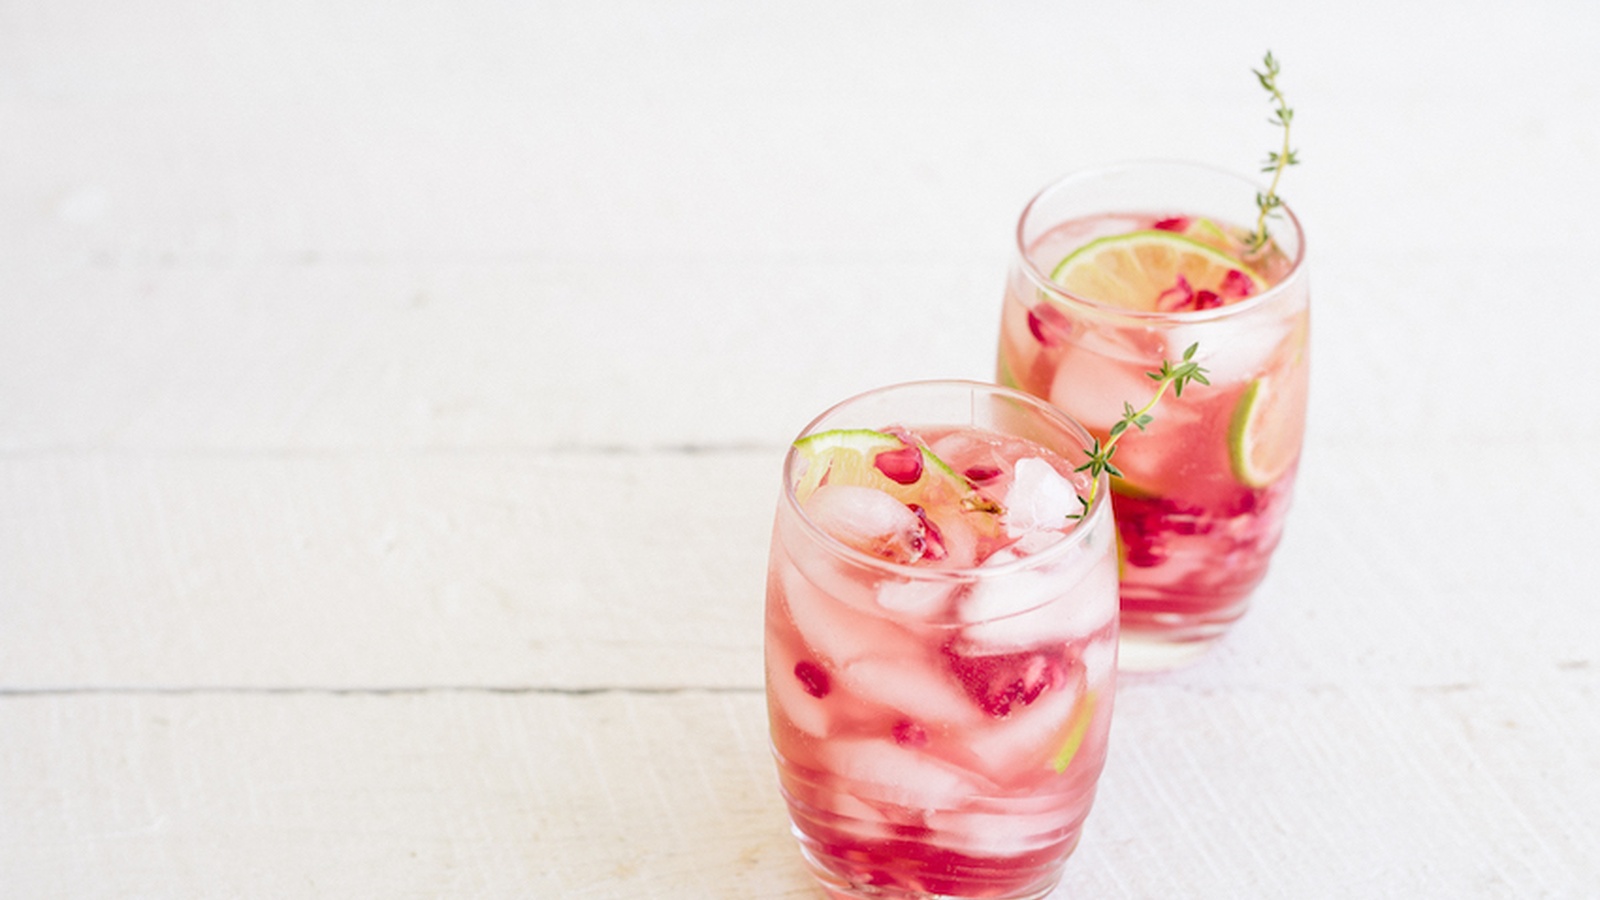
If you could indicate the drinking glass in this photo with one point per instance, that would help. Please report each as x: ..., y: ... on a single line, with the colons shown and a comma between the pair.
x: 1204, y: 489
x: 941, y: 642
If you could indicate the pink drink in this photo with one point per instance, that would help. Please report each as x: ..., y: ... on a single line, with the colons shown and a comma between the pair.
x: 1205, y: 489
x: 940, y: 647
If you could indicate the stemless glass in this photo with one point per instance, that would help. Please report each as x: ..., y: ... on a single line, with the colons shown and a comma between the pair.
x: 1201, y: 501
x: 940, y: 642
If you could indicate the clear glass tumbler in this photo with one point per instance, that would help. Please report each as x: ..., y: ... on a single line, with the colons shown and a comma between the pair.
x: 1117, y: 269
x: 941, y: 638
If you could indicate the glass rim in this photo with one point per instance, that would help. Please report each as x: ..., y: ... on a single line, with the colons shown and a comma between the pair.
x: 1045, y: 284
x: 1092, y: 520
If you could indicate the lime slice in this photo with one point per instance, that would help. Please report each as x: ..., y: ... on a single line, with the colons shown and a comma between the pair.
x: 851, y: 456
x: 1133, y: 270
x: 1077, y: 727
x: 1264, y: 436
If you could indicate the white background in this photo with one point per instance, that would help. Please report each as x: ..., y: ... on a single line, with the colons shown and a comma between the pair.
x: 392, y: 397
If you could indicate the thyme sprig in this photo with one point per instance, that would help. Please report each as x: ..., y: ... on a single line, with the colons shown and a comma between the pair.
x: 1277, y: 160
x: 1171, y: 375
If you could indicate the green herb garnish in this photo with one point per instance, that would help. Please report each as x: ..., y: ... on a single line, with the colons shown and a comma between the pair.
x: 1277, y: 160
x: 1173, y: 375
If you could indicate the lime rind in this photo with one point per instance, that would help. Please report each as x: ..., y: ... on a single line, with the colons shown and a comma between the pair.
x: 1173, y: 239
x: 822, y: 450
x: 1077, y: 728
x: 849, y: 452
x: 1250, y: 424
x: 862, y: 440
x: 1130, y: 269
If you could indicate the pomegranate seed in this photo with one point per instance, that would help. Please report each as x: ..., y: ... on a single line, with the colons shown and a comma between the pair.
x: 1207, y: 300
x: 1250, y: 502
x: 1146, y: 524
x: 1139, y: 522
x: 1236, y: 285
x: 1143, y: 552
x: 981, y: 473
x: 901, y: 466
x: 1036, y: 325
x: 1176, y: 297
x: 1001, y: 683
x: 1048, y: 325
x: 812, y: 678
x: 1176, y: 223
x: 934, y: 541
x: 909, y: 734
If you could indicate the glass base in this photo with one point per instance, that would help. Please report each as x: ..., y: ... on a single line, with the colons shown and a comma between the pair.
x: 1165, y: 632
x: 859, y: 877
x: 1155, y: 651
x: 840, y: 888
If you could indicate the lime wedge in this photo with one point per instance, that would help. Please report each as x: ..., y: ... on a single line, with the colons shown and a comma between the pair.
x: 1077, y: 727
x: 1264, y: 436
x: 852, y: 456
x: 1134, y: 270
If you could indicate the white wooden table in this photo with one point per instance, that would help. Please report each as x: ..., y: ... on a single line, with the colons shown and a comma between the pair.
x: 392, y: 398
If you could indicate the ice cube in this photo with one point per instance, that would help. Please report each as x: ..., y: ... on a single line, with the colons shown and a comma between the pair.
x: 1151, y: 457
x: 868, y: 520
x: 1002, y: 594
x: 1099, y: 660
x: 1039, y: 498
x: 836, y: 631
x: 958, y: 540
x: 915, y: 598
x: 919, y: 689
x: 1055, y: 604
x: 1034, y: 541
x: 820, y: 800
x: 1093, y: 389
x: 880, y: 771
x: 1231, y: 351
x: 1028, y: 586
x: 808, y: 712
x: 1000, y: 834
x: 1017, y: 747
x: 831, y: 574
x: 856, y: 817
x: 958, y: 448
